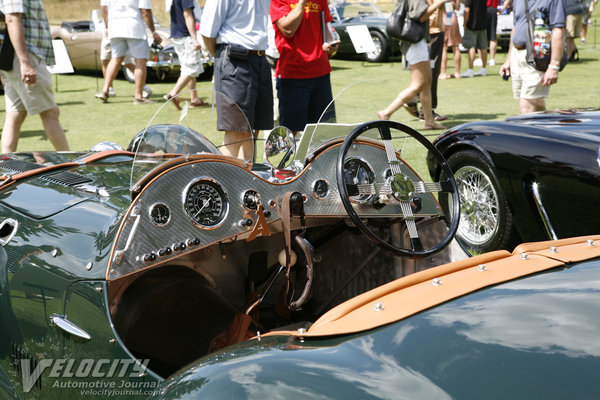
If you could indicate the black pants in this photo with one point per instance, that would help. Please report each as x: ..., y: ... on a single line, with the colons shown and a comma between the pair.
x: 436, y: 45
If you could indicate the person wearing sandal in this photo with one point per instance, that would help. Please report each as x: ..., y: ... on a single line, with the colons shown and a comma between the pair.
x: 417, y: 56
x: 124, y: 21
x: 187, y: 47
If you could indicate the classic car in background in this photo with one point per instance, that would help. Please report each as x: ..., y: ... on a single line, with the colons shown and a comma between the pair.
x: 349, y: 13
x: 83, y: 38
x: 531, y: 177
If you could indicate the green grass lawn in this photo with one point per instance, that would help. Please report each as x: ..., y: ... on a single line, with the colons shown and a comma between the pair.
x: 87, y: 121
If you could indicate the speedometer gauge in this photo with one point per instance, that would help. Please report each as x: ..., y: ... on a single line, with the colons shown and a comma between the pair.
x: 206, y: 203
x: 357, y: 171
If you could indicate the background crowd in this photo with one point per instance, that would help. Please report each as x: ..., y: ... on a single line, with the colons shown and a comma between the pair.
x: 302, y: 70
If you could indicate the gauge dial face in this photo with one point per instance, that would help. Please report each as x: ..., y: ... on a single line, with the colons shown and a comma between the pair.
x: 160, y: 214
x: 206, y: 203
x: 320, y: 188
x: 358, y: 172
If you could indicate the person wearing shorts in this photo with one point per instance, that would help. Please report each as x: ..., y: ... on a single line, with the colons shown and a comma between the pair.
x: 303, y: 69
x: 575, y: 13
x: 28, y: 85
x: 529, y: 85
x: 235, y: 34
x: 417, y: 57
x: 475, y: 36
x: 124, y: 20
x: 187, y: 47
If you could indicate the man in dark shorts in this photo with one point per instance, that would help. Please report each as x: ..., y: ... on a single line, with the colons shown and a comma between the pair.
x: 235, y: 33
x: 475, y: 36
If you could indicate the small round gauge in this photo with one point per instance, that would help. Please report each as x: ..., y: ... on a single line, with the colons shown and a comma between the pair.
x: 160, y: 214
x: 206, y: 203
x: 320, y: 188
x: 357, y: 171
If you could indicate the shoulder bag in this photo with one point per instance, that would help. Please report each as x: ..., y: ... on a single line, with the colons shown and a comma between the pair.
x: 539, y: 41
x: 400, y: 26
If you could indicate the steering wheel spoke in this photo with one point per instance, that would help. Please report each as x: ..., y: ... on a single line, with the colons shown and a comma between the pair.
x: 398, y: 188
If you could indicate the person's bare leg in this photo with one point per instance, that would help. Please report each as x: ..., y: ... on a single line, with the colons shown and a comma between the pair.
x: 193, y: 91
x: 457, y: 57
x: 12, y: 129
x: 493, y: 47
x: 182, y: 81
x: 471, y: 57
x: 483, y: 54
x: 111, y: 72
x: 237, y: 144
x: 422, y: 72
x: 443, y: 63
x: 527, y: 106
x: 140, y: 77
x: 416, y: 86
x: 53, y: 129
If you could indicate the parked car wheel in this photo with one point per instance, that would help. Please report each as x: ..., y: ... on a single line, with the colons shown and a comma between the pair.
x: 381, y: 44
x: 128, y: 74
x: 486, y: 221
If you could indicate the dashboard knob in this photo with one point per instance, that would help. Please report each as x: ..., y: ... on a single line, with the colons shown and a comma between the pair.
x: 182, y: 246
x: 149, y: 257
x: 246, y: 222
x: 267, y: 213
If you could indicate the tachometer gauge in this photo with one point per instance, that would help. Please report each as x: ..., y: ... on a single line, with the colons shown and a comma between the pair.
x: 357, y: 171
x: 206, y: 203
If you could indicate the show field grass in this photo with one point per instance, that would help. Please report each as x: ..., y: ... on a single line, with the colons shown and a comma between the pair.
x: 87, y: 121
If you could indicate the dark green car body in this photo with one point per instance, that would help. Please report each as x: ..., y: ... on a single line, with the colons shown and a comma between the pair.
x: 533, y: 338
x: 56, y: 264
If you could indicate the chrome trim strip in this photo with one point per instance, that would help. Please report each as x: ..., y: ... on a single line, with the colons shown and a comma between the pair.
x: 64, y: 324
x: 545, y: 219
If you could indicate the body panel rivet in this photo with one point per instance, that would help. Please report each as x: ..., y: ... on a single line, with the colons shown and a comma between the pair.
x: 553, y: 249
x: 481, y: 267
x: 524, y: 256
x: 436, y: 282
x: 378, y: 307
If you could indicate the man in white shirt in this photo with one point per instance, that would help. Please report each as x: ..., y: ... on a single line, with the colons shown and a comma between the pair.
x: 235, y: 33
x: 124, y: 20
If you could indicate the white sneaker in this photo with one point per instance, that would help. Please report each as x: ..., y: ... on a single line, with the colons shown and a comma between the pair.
x: 481, y: 72
x: 146, y: 92
x: 111, y: 92
x: 467, y: 74
x: 478, y: 62
x: 492, y: 62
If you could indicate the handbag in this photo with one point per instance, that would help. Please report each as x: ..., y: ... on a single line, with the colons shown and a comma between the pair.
x: 400, y: 26
x: 7, y: 53
x: 539, y: 41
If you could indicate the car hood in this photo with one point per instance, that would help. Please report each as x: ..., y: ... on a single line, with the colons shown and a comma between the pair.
x: 61, y: 182
x: 575, y: 120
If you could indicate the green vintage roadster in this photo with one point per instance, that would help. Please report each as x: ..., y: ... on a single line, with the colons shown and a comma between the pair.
x: 170, y: 270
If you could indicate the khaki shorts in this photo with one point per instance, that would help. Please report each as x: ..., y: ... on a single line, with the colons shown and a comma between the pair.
x: 105, y: 52
x: 189, y: 58
x: 34, y: 98
x: 573, y: 25
x: 526, y: 80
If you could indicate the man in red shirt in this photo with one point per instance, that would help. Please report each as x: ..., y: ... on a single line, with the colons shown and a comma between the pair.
x: 305, y: 45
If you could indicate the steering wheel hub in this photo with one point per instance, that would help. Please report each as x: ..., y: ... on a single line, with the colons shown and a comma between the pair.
x: 403, y: 188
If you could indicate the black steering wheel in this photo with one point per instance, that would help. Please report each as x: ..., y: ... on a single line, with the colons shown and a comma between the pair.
x: 399, y: 189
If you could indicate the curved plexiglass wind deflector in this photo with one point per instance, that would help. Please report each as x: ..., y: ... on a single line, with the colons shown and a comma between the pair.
x: 178, y: 129
x: 344, y: 113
